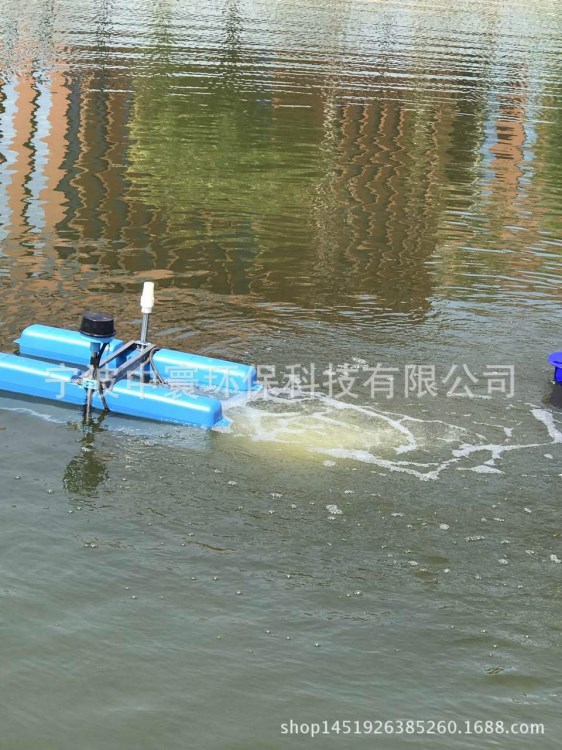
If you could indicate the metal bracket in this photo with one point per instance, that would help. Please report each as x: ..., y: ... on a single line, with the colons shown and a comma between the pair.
x: 142, y: 356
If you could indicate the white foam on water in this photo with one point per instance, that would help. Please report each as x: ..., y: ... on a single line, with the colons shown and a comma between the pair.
x: 318, y: 424
x: 547, y: 418
x: 482, y: 469
x: 405, y: 467
x: 44, y: 417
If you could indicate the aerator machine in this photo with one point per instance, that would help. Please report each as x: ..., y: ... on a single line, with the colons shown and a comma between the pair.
x: 555, y: 359
x: 93, y: 369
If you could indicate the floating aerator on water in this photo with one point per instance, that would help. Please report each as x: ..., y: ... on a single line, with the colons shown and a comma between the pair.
x: 555, y: 360
x: 135, y: 378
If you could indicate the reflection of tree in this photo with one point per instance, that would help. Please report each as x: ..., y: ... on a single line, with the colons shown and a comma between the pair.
x: 207, y: 150
x: 221, y: 160
x: 397, y: 166
x: 231, y: 57
x: 224, y: 166
x: 380, y: 206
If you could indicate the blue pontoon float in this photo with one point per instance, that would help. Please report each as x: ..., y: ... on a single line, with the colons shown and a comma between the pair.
x: 93, y: 369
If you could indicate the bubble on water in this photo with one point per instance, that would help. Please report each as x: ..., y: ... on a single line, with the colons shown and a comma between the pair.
x: 324, y: 463
x: 502, y: 561
x: 232, y: 482
x: 444, y: 526
x: 555, y: 559
x: 474, y: 538
x: 334, y: 510
x: 348, y: 492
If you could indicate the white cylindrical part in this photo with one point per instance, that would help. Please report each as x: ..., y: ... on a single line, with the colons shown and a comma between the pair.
x: 147, y: 298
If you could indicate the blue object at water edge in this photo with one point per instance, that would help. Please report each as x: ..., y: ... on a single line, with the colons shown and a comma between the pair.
x: 555, y: 360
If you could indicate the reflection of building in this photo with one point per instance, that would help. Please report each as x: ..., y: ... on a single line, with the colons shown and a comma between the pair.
x: 312, y: 187
x: 503, y: 222
x: 33, y: 125
x: 63, y: 179
x: 507, y: 164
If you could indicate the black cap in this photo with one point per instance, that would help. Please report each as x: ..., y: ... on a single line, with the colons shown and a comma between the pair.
x: 97, y: 325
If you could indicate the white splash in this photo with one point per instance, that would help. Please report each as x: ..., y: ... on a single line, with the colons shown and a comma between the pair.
x: 548, y: 420
x: 305, y: 425
x: 483, y: 469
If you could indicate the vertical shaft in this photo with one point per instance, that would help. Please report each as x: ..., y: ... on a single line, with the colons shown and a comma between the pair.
x: 95, y: 352
x: 147, y: 303
x: 144, y: 328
